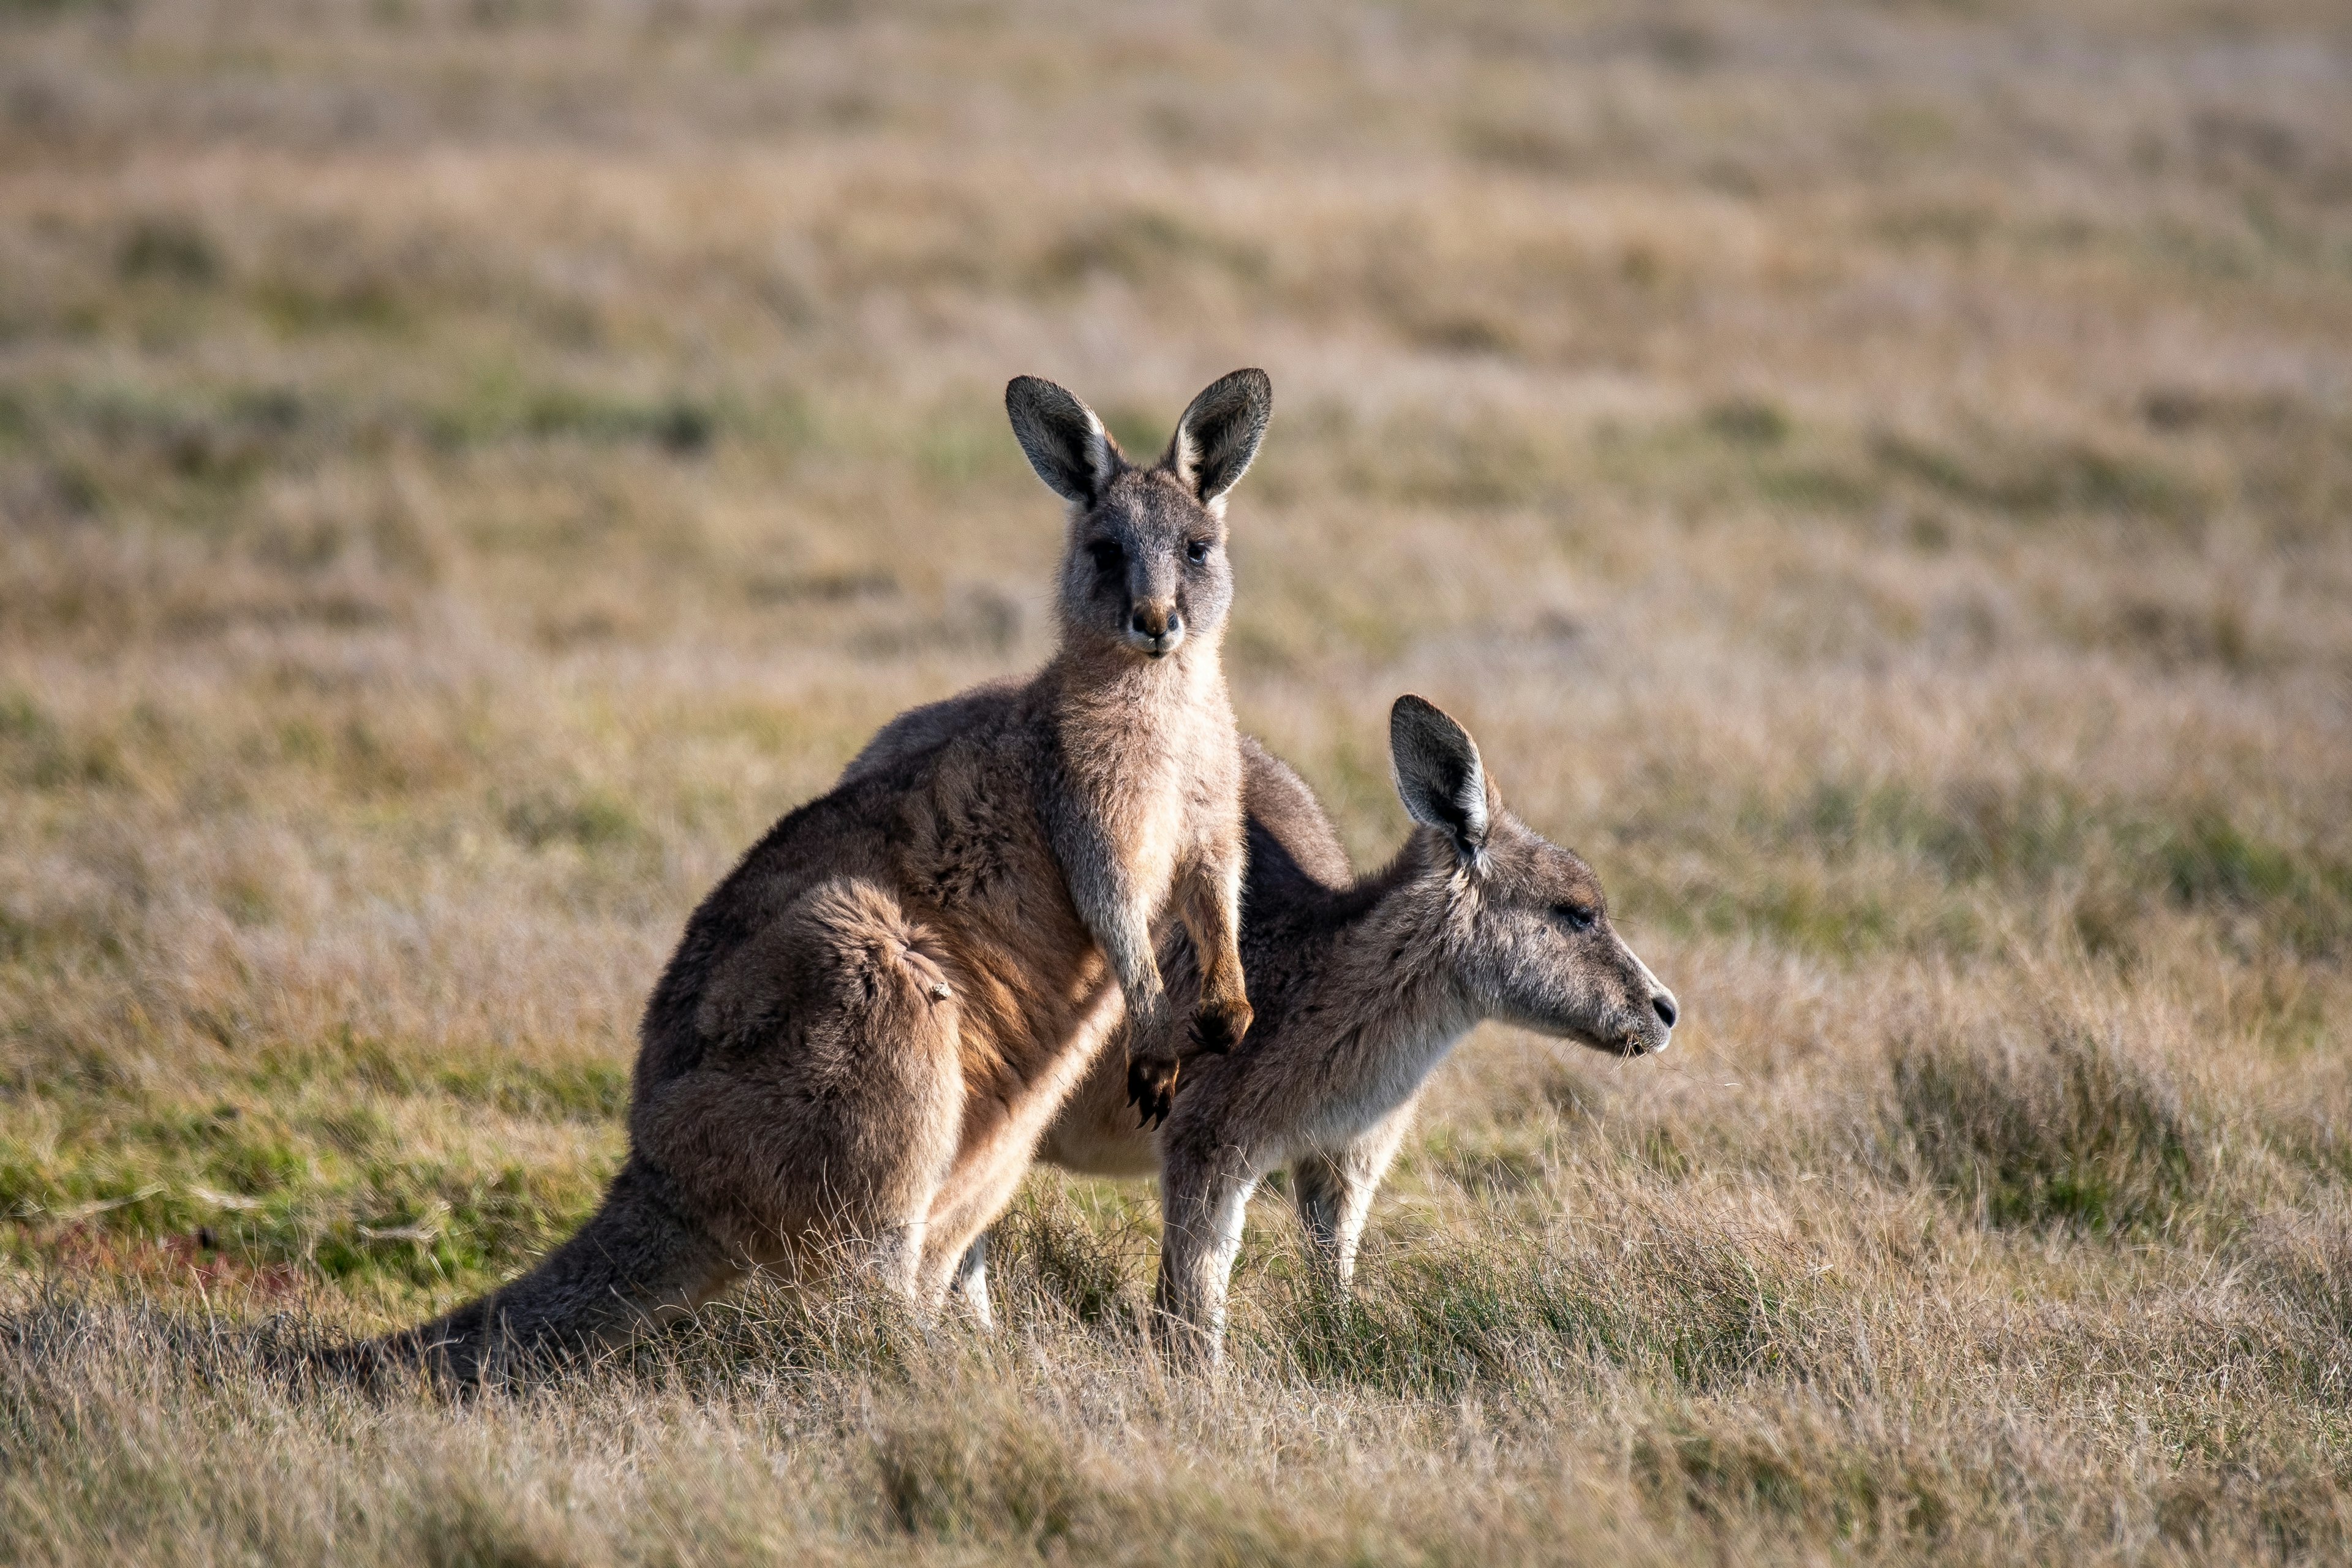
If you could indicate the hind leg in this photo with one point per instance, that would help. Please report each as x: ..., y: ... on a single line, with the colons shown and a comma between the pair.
x: 1335, y: 1191
x: 998, y: 1147
x: 971, y: 1284
x: 824, y: 1115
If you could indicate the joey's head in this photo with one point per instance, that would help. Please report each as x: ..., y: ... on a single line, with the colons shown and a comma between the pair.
x: 1144, y: 570
x: 1531, y: 941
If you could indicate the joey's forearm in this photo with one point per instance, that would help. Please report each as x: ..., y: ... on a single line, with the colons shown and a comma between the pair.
x: 1145, y: 997
x: 1115, y: 916
x: 1210, y: 903
x: 1127, y: 944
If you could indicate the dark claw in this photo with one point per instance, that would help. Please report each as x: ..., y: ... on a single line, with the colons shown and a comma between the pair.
x: 1152, y: 1089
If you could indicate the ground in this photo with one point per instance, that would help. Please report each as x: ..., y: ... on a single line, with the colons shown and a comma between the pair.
x: 1875, y: 478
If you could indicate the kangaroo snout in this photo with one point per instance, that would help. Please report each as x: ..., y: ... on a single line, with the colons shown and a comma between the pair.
x: 1155, y: 627
x: 1655, y: 1031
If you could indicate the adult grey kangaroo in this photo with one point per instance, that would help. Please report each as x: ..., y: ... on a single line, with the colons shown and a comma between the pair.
x: 1362, y: 987
x: 866, y: 1024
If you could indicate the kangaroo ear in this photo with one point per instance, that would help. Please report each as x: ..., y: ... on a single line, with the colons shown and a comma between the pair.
x: 1062, y: 438
x: 1438, y: 774
x: 1219, y: 434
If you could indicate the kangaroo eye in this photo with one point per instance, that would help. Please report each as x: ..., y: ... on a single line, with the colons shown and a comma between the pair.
x: 1108, y: 555
x: 1579, y: 917
x: 1197, y: 552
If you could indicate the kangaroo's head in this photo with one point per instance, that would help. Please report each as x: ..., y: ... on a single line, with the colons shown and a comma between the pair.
x: 1532, y: 942
x: 1144, y: 570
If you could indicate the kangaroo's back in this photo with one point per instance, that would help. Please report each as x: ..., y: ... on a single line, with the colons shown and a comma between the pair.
x: 1295, y: 849
x: 947, y: 824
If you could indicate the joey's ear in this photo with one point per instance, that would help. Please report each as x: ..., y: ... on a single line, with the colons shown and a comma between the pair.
x: 1219, y: 434
x: 1062, y: 438
x: 1438, y: 774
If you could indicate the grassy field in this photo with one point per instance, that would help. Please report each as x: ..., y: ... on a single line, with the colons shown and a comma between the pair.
x: 1877, y: 478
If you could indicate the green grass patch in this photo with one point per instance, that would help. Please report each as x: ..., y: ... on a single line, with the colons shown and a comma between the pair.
x: 1697, y: 1311
x: 1046, y: 1256
x: 1148, y: 247
x: 2062, y: 1127
x: 591, y: 819
x: 330, y: 1195
x: 1737, y: 452
x: 171, y: 249
x: 2120, y: 862
x: 1861, y: 1495
x: 2028, y: 480
x: 1748, y: 422
x: 38, y: 753
x: 575, y: 1090
x: 295, y: 308
x: 568, y: 1091
x: 503, y: 406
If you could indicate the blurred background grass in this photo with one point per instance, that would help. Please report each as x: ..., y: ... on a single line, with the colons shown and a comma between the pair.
x: 1872, y: 477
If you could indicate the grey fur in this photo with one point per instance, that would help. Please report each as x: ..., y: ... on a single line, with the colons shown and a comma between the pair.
x: 1361, y: 987
x: 1219, y: 434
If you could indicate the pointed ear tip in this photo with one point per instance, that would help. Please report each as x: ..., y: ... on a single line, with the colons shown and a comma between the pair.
x: 1415, y: 720
x: 1032, y: 390
x: 1252, y: 386
x: 1415, y: 709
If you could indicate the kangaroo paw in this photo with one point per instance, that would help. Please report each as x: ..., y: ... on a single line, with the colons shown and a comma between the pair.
x: 1151, y: 1087
x: 1217, y: 1027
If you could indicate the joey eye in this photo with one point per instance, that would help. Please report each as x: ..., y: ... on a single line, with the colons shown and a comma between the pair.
x: 1197, y: 552
x: 1577, y: 916
x: 1109, y: 556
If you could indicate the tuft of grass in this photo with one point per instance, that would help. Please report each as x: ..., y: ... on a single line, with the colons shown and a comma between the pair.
x: 2055, y: 1126
x: 1145, y: 247
x: 1654, y: 1301
x: 173, y: 249
x: 591, y: 819
x: 1858, y: 1494
x: 1004, y: 1481
x: 2210, y: 862
x: 95, y: 751
x: 2032, y: 482
x: 1747, y: 421
x: 1045, y: 1256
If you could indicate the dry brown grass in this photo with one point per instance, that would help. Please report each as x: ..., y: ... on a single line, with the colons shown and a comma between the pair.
x: 1873, y: 478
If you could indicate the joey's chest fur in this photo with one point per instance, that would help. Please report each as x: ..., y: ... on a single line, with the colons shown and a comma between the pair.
x: 1154, y: 759
x: 1152, y: 777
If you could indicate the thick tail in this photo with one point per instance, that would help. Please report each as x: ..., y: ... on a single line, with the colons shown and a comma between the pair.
x: 639, y: 1261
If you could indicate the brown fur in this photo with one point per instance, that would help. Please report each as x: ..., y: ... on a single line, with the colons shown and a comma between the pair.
x: 868, y: 1023
x: 1362, y: 987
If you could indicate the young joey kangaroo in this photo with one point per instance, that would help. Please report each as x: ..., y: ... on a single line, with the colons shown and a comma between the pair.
x: 1362, y: 987
x: 866, y: 1024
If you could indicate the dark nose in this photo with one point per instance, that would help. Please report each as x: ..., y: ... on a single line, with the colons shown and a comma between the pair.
x: 1155, y: 620
x: 1665, y: 1003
